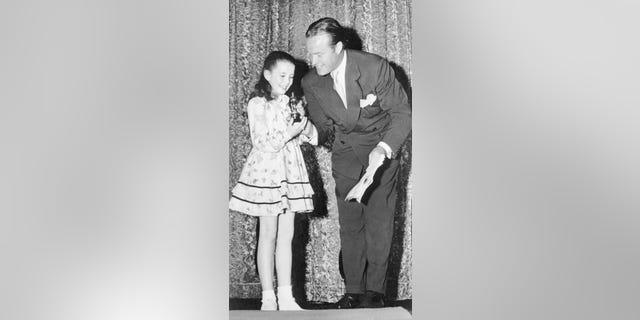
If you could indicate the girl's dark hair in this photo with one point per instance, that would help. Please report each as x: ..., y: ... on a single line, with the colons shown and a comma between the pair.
x: 263, y: 88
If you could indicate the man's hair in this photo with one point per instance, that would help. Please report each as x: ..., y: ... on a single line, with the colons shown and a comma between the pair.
x: 329, y: 26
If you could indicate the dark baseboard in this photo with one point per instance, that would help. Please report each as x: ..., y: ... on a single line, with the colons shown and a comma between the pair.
x: 254, y: 304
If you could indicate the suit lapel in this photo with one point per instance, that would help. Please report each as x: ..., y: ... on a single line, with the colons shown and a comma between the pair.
x: 332, y: 102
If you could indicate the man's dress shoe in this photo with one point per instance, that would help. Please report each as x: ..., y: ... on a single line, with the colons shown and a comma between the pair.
x: 349, y: 301
x: 372, y: 299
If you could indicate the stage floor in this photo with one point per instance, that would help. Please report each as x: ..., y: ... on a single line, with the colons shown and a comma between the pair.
x: 254, y: 304
x: 390, y: 313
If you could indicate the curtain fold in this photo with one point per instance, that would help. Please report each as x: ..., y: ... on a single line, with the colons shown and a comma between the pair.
x: 257, y: 27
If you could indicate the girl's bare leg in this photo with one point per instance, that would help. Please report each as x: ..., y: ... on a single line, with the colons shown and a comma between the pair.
x: 266, y: 248
x: 283, y: 261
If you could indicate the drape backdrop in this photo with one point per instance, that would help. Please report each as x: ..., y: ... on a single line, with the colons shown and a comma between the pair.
x: 257, y: 27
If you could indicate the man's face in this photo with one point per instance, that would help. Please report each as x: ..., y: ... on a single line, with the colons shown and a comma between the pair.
x: 325, y: 57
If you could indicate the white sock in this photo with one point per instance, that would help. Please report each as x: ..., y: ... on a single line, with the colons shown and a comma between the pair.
x: 285, y: 292
x: 268, y: 295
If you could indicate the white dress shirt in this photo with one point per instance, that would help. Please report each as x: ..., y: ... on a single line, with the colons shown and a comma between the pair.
x: 338, y: 75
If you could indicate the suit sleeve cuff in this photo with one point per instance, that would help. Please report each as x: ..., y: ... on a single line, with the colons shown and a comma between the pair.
x: 386, y: 148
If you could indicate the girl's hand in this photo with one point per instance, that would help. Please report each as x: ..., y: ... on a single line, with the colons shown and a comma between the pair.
x: 300, y: 109
x: 294, y: 129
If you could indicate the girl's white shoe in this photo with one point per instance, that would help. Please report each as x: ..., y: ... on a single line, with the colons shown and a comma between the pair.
x: 288, y: 304
x: 269, y: 305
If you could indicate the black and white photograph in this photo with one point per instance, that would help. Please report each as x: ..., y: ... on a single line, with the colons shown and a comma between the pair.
x: 320, y: 158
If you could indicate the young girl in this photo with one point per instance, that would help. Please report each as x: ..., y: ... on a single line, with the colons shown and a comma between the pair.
x: 274, y: 184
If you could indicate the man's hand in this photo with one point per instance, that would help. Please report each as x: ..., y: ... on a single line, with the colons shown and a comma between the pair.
x: 376, y: 157
x: 308, y: 129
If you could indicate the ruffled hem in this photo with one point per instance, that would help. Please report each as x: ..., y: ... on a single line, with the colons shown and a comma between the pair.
x: 272, y: 200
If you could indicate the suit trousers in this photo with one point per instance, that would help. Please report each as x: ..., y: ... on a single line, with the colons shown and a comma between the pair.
x: 366, y: 229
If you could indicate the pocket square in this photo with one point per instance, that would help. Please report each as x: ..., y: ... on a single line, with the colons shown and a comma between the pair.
x: 369, y: 100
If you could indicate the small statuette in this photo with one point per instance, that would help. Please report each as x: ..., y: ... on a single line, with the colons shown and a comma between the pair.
x: 295, y: 115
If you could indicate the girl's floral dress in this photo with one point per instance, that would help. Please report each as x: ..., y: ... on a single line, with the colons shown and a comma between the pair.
x: 274, y: 177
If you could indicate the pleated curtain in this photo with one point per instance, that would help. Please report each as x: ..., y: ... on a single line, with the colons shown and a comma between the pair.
x: 257, y: 27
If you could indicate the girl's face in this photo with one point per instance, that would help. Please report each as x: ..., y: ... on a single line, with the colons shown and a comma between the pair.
x: 280, y: 77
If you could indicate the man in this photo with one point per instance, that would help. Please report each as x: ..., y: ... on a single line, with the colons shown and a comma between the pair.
x: 356, y: 96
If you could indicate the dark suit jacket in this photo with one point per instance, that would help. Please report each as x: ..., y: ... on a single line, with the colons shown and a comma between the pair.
x: 358, y: 130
